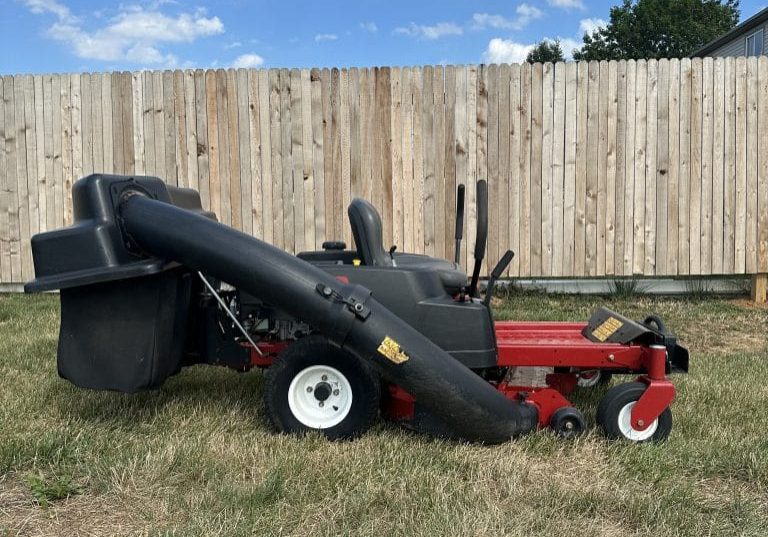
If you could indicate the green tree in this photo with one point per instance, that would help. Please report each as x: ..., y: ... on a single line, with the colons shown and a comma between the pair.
x: 659, y: 29
x: 546, y: 51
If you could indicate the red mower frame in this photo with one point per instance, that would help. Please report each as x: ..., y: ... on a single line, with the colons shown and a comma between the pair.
x: 560, y: 346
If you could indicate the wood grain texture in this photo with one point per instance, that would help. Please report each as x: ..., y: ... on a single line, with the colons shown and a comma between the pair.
x: 595, y: 168
x: 537, y: 163
x: 762, y: 183
x: 753, y: 135
x: 740, y: 232
x: 706, y: 165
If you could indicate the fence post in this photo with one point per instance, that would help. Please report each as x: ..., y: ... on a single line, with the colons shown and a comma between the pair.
x: 759, y: 287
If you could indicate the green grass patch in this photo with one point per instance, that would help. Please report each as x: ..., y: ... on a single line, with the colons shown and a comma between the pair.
x: 197, y: 457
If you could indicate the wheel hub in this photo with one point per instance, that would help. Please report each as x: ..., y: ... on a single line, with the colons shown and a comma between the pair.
x: 322, y: 391
x: 320, y: 396
x: 629, y: 432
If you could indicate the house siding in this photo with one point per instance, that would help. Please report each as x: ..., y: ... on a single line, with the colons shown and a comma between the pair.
x: 738, y: 45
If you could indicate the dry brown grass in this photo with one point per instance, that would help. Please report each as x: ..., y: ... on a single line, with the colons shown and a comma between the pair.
x: 197, y: 457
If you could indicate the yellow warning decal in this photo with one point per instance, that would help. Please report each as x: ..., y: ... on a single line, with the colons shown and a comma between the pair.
x: 392, y: 351
x: 607, y: 329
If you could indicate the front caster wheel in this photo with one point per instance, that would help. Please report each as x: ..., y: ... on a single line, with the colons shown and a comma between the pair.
x: 615, y: 410
x: 313, y: 385
x: 567, y: 422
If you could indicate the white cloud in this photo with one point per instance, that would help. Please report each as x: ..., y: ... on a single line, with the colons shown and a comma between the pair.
x: 567, y: 4
x: 506, y: 51
x: 246, y: 61
x: 40, y: 7
x: 525, y: 14
x: 588, y: 26
x: 435, y: 31
x: 569, y: 45
x: 234, y: 44
x: 480, y: 21
x: 326, y: 37
x: 369, y: 27
x: 136, y: 34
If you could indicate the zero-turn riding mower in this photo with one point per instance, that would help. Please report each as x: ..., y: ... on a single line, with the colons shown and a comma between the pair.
x: 150, y: 282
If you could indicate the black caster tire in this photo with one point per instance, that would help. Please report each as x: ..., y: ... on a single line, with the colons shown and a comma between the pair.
x: 314, y: 385
x: 593, y: 379
x: 568, y: 422
x: 614, y: 410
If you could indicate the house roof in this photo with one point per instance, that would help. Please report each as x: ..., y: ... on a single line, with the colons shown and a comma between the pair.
x: 754, y: 21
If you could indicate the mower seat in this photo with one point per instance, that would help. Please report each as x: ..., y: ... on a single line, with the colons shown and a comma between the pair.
x: 367, y: 232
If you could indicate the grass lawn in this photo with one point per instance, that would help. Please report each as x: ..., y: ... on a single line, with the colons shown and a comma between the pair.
x: 198, y: 458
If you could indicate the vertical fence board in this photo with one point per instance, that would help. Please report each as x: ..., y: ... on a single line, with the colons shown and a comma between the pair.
x: 729, y: 171
x: 244, y: 151
x: 684, y: 188
x: 569, y: 168
x: 317, y: 156
x: 558, y: 167
x: 546, y: 168
x: 6, y: 176
x: 461, y: 147
x: 718, y: 164
x: 753, y: 134
x: 696, y: 167
x: 673, y: 192
x: 346, y: 160
x: 179, y: 129
x: 203, y: 150
x: 582, y: 169
x: 525, y: 170
x: 265, y: 136
x: 661, y: 173
x: 741, y: 166
x: 297, y: 158
x: 471, y: 214
x: 537, y: 133
x: 22, y: 189
x: 513, y: 177
x: 406, y: 140
x: 228, y: 212
x: 448, y: 221
x: 609, y: 237
x: 621, y: 158
x: 601, y: 192
x: 762, y: 186
x: 30, y: 177
x: 706, y: 165
x: 492, y: 251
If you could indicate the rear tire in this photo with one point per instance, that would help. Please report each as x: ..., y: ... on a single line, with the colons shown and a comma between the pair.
x: 614, y: 410
x: 593, y: 378
x: 314, y: 385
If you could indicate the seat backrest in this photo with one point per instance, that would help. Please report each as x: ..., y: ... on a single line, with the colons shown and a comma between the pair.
x: 367, y: 232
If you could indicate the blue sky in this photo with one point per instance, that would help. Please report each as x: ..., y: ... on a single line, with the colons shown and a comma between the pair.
x: 83, y: 35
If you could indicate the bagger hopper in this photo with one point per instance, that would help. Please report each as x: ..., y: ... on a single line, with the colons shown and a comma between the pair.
x: 342, y: 334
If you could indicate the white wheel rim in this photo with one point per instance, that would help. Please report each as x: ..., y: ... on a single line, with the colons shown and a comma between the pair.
x: 629, y: 432
x: 590, y: 381
x: 320, y: 397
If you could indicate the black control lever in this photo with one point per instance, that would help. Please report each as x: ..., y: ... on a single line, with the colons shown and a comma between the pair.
x: 392, y: 253
x: 459, y: 234
x: 481, y: 199
x: 496, y: 273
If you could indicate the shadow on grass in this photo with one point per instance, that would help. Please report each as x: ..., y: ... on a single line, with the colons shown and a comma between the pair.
x: 198, y: 389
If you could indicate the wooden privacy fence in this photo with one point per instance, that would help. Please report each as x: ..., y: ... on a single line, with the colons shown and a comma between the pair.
x: 599, y: 168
